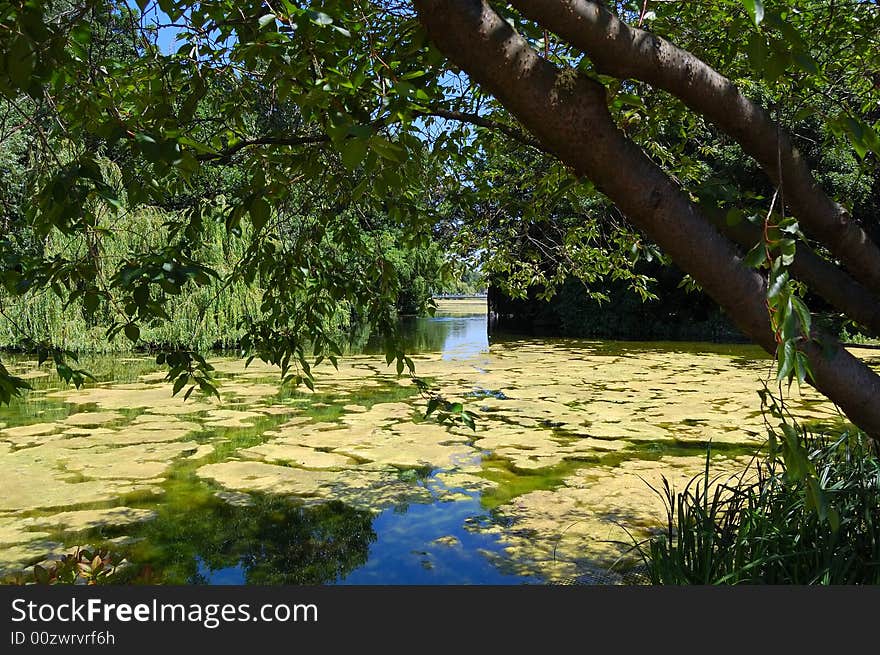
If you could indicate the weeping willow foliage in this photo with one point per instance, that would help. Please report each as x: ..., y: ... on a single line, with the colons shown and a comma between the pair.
x: 202, y: 317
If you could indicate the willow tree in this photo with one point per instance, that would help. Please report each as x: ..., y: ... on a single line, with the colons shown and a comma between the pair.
x: 367, y: 82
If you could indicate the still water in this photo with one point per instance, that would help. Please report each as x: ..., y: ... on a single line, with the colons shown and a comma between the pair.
x: 351, y: 485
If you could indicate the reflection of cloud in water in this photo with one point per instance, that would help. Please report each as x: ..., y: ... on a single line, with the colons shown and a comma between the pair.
x: 466, y: 337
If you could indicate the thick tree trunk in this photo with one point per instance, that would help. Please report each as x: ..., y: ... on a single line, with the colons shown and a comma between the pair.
x: 568, y: 114
x: 624, y: 52
x: 823, y: 277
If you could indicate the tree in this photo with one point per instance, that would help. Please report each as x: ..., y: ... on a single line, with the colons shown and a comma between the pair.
x: 363, y: 92
x: 568, y: 112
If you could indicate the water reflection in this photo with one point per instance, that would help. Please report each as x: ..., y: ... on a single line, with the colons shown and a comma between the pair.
x: 457, y: 332
x: 430, y: 544
x: 466, y: 337
x: 263, y: 540
x: 270, y: 540
x: 248, y: 489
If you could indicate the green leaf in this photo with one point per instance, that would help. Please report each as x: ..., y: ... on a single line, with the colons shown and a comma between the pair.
x: 756, y: 256
x: 208, y: 388
x: 735, y: 217
x: 320, y: 18
x: 353, y: 152
x: 833, y: 519
x: 786, y: 361
x: 776, y: 64
x: 20, y: 61
x: 755, y: 8
x: 468, y: 419
x: 778, y: 284
x: 757, y: 51
x: 802, y: 367
x: 803, y: 315
x: 789, y: 322
x: 91, y: 302
x: 788, y: 248
x: 260, y: 212
x: 133, y: 332
x: 266, y: 19
x: 806, y: 63
x: 180, y: 383
x: 804, y: 113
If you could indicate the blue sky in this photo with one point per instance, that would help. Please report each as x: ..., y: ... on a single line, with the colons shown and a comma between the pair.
x: 166, y: 36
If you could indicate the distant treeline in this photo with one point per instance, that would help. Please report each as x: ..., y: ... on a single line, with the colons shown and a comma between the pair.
x: 676, y: 314
x: 211, y: 316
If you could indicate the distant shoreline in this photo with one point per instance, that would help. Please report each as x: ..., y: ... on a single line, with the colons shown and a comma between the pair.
x: 462, y: 297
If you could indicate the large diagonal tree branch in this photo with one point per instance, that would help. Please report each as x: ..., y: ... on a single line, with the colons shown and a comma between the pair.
x: 823, y: 277
x: 568, y: 113
x: 624, y: 52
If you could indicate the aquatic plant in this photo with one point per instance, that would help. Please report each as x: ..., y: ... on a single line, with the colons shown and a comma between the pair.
x: 782, y: 521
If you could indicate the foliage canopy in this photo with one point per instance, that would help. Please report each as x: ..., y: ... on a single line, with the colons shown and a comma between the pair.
x: 318, y: 140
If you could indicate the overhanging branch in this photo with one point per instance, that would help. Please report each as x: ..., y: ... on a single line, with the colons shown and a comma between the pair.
x: 569, y: 114
x: 315, y: 139
x: 624, y: 52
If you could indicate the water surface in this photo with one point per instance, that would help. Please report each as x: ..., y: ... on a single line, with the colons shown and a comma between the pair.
x: 350, y: 485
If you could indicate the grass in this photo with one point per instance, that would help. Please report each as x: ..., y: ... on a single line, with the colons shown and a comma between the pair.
x: 772, y: 525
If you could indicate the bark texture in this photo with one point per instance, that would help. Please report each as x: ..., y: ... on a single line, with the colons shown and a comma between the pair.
x: 625, y: 52
x: 568, y: 114
x: 823, y: 278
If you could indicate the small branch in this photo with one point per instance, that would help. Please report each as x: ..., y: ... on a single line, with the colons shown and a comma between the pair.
x: 314, y: 139
x: 481, y: 121
x: 292, y: 141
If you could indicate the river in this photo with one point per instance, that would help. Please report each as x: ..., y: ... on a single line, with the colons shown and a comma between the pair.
x: 351, y: 485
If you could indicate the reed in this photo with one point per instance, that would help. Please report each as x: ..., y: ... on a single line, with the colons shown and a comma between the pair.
x: 764, y: 527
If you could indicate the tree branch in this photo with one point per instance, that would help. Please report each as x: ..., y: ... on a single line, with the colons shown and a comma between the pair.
x: 823, y: 277
x: 489, y: 124
x: 568, y: 113
x: 291, y: 141
x: 624, y: 52
x: 313, y: 139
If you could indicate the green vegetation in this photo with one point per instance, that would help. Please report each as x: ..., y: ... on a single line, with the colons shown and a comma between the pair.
x: 214, y: 315
x: 281, y: 179
x: 319, y: 166
x: 80, y: 566
x: 774, y: 524
x: 273, y: 540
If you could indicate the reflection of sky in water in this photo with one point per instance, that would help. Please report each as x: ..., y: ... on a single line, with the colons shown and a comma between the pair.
x: 467, y: 337
x: 233, y: 575
x: 434, y: 543
x: 406, y: 551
